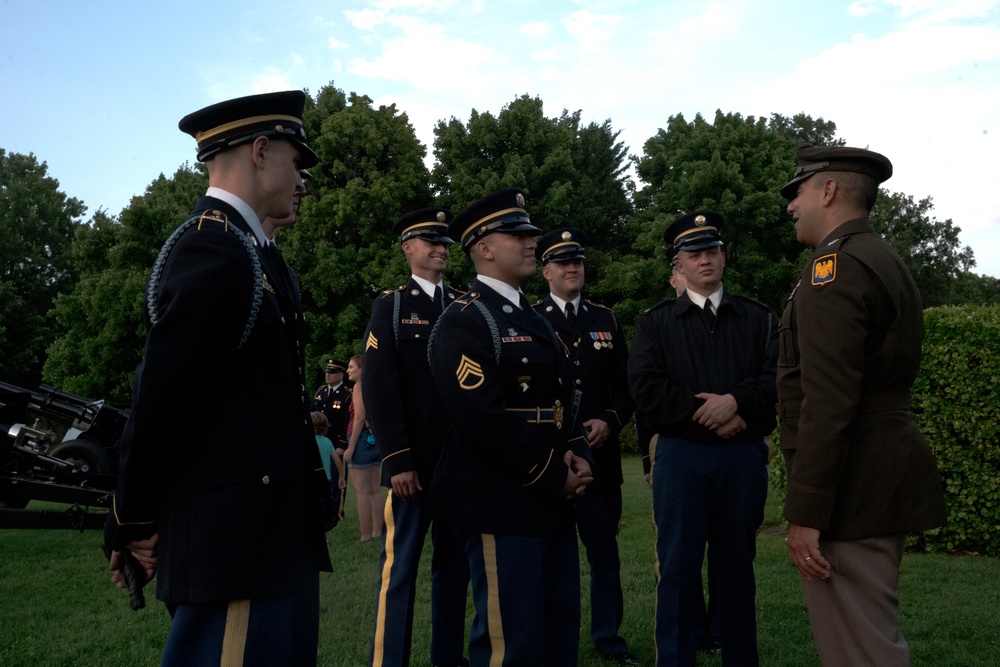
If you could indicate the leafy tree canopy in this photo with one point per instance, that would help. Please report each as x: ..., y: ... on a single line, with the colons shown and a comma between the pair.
x: 37, y: 223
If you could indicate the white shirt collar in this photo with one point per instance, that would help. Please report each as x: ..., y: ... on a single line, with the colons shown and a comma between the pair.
x: 243, y: 209
x: 503, y: 289
x: 562, y: 303
x: 427, y: 286
x: 699, y: 300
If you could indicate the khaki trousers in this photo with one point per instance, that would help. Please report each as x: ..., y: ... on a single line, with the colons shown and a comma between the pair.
x: 854, y: 613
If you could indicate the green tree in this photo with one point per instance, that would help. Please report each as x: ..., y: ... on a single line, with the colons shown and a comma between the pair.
x: 342, y: 245
x: 103, y: 316
x: 37, y: 222
x: 930, y: 248
x: 572, y: 175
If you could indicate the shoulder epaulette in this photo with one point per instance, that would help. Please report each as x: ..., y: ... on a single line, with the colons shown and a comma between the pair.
x: 214, y: 215
x: 657, y: 305
x: 389, y: 292
x: 466, y: 299
x: 598, y: 305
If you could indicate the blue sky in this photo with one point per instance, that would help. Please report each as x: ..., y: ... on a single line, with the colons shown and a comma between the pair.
x: 95, y: 89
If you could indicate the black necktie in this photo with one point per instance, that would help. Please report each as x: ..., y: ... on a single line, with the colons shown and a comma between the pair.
x: 437, y: 297
x: 277, y: 263
x: 571, y: 315
x: 710, y: 312
x: 524, y: 302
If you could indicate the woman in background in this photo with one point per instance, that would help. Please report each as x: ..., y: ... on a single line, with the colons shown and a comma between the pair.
x: 363, y: 460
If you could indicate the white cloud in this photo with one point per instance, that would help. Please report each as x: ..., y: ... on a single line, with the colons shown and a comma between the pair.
x: 537, y: 30
x: 334, y: 43
x: 271, y: 81
x: 592, y: 31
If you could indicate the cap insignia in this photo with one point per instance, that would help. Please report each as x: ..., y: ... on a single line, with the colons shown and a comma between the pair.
x: 700, y: 220
x: 566, y: 236
x: 441, y: 217
x: 520, y: 200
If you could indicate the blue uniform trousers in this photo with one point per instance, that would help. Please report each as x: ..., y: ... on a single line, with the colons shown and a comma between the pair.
x: 714, y: 494
x: 526, y: 592
x: 269, y: 632
x: 404, y: 532
x: 598, y: 516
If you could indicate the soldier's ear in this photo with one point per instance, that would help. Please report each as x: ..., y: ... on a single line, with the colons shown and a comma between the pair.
x: 259, y: 150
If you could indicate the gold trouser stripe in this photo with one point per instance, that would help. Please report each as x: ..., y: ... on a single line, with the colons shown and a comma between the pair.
x: 234, y: 639
x: 494, y: 621
x: 378, y: 650
x: 656, y: 553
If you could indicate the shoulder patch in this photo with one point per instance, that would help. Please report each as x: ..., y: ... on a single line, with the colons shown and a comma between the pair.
x: 372, y: 342
x: 469, y: 373
x: 824, y: 269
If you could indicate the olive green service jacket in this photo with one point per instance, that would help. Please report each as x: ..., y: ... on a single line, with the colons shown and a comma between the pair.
x: 850, y: 350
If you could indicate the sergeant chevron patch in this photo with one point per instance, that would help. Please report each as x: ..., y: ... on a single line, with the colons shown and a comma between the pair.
x: 372, y: 343
x: 468, y: 371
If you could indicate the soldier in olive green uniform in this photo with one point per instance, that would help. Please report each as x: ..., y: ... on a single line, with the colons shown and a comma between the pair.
x: 860, y: 474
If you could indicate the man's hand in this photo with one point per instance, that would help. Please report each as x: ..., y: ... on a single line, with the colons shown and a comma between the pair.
x: 144, y: 552
x: 731, y: 427
x: 578, y: 476
x: 134, y: 567
x: 715, y: 411
x: 803, y: 545
x: 598, y: 432
x: 406, y: 485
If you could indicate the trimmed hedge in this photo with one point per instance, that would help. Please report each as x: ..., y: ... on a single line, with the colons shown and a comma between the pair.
x: 958, y: 409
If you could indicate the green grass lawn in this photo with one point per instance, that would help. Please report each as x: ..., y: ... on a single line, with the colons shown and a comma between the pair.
x: 57, y: 606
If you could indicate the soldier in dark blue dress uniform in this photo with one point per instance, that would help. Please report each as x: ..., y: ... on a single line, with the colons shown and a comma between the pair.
x: 596, y: 343
x: 333, y: 399
x: 406, y: 411
x: 702, y: 371
x: 515, y: 459
x: 219, y: 468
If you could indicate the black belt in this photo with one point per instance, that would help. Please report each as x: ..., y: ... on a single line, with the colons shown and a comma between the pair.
x: 553, y: 415
x: 899, y: 400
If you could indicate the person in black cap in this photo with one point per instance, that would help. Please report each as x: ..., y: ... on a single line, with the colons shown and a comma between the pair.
x: 702, y: 372
x: 516, y: 458
x: 598, y: 354
x: 333, y: 399
x: 860, y: 474
x: 218, y: 460
x: 412, y: 425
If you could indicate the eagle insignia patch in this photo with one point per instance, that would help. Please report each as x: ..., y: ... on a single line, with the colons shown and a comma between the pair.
x: 469, y: 373
x: 824, y: 269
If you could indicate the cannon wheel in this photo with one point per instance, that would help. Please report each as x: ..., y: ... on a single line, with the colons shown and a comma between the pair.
x: 86, y: 455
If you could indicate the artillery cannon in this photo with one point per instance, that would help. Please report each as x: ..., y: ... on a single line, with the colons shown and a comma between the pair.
x: 59, y: 447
